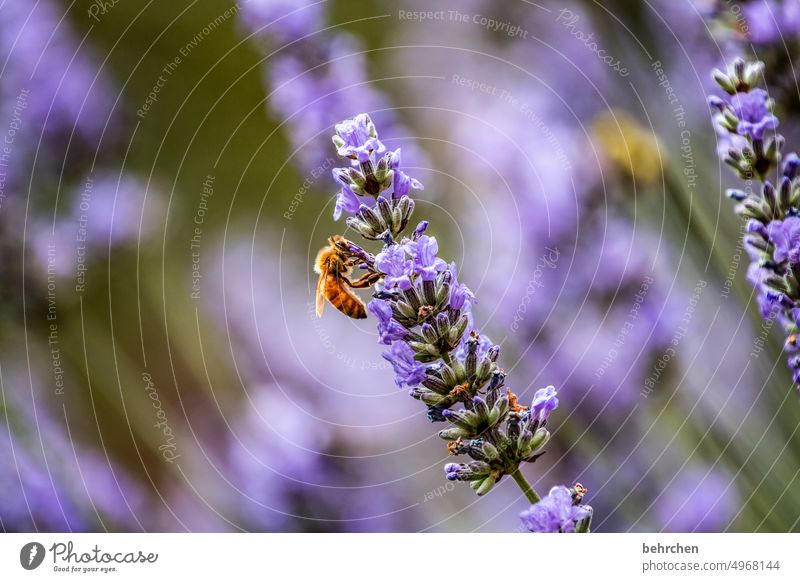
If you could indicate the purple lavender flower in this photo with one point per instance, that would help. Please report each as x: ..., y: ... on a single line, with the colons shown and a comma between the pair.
x: 773, y: 226
x: 461, y: 297
x: 357, y: 139
x: 753, y: 113
x: 366, y: 191
x: 555, y: 513
x: 402, y: 183
x: 755, y: 276
x: 393, y: 262
x: 483, y: 345
x: 422, y: 307
x: 785, y: 235
x: 388, y: 329
x: 407, y: 371
x: 423, y: 253
x: 347, y: 201
x: 420, y: 230
x: 750, y: 108
x: 544, y: 402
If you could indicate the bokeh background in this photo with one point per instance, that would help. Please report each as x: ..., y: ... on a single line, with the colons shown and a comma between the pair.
x: 165, y: 185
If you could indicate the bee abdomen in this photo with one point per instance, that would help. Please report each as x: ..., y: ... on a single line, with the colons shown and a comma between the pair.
x: 343, y: 300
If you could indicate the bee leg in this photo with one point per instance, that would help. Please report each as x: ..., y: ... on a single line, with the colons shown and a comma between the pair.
x: 365, y: 280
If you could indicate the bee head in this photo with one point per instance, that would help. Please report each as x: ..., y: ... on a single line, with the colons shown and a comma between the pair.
x: 340, y: 242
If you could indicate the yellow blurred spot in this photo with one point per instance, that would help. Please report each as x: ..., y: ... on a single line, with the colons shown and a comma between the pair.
x: 627, y: 145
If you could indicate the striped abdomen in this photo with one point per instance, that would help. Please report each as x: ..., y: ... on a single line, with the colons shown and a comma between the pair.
x: 343, y: 299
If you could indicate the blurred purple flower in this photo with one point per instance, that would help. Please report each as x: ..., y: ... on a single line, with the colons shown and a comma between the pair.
x: 116, y: 208
x: 286, y: 20
x: 112, y: 492
x: 66, y: 485
x: 769, y: 21
x: 65, y: 90
x: 31, y: 500
x: 290, y: 474
x: 555, y: 513
x: 107, y: 211
x: 698, y: 500
x: 314, y: 79
x: 754, y: 116
x: 785, y: 235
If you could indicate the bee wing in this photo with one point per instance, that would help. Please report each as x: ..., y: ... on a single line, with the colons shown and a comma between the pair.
x: 321, y: 292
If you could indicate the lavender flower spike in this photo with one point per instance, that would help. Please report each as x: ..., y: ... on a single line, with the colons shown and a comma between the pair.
x: 773, y: 226
x: 425, y: 315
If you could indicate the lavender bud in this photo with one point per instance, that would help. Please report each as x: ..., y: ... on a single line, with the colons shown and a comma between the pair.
x: 437, y: 385
x: 791, y: 165
x: 724, y: 81
x: 413, y: 298
x: 429, y: 292
x: 500, y: 410
x: 451, y: 434
x: 420, y: 230
x: 539, y: 439
x: 490, y: 452
x: 756, y: 227
x: 367, y: 215
x: 716, y: 103
x: 769, y: 195
x: 735, y: 194
x: 404, y: 310
x: 435, y: 415
x: 461, y: 419
x: 385, y: 210
x: 738, y: 68
x: 486, y: 485
x: 481, y: 409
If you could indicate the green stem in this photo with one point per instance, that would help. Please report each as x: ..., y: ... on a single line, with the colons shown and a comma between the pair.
x: 529, y: 491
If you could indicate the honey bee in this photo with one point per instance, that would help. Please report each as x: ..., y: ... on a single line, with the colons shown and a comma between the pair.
x: 334, y: 263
